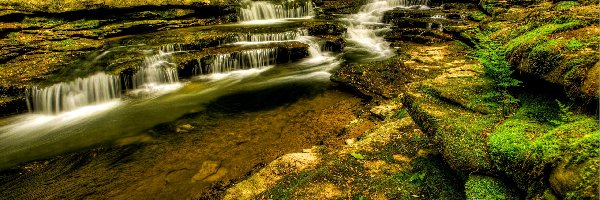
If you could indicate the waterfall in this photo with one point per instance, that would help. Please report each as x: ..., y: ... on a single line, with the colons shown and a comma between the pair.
x: 264, y: 10
x: 248, y: 59
x: 158, y: 69
x: 364, y: 27
x: 271, y: 37
x: 407, y: 3
x: 61, y: 97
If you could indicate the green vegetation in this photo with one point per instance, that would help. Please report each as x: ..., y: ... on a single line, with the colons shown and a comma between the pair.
x: 544, y: 56
x: 540, y: 135
x: 67, y: 42
x: 539, y: 32
x: 492, y: 7
x: 492, y: 57
x: 401, y: 113
x: 292, y: 183
x: 488, y: 188
x: 85, y: 24
x: 43, y: 22
x: 357, y: 156
x: 565, y: 114
x: 13, y: 35
x: 565, y: 5
x: 496, y: 67
x: 574, y: 44
x: 477, y: 16
x: 464, y: 140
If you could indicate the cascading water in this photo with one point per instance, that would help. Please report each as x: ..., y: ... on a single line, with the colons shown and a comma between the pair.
x: 157, y: 70
x: 101, y: 88
x: 365, y: 26
x: 264, y: 10
x: 33, y: 136
x: 249, y: 59
x: 61, y: 97
x: 408, y: 3
x: 272, y: 37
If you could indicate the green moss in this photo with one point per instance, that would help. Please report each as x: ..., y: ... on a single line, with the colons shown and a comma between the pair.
x: 574, y: 44
x: 511, y: 147
x: 401, y: 113
x: 488, y: 188
x: 565, y: 5
x: 525, y: 145
x: 524, y: 2
x: 537, y: 108
x: 578, y: 67
x: 13, y: 35
x: 427, y: 178
x: 535, y: 34
x: 464, y: 141
x: 290, y: 184
x: 44, y: 22
x: 544, y: 57
x: 67, y: 42
x: 492, y: 7
x: 586, y: 180
x: 492, y: 57
x: 85, y: 24
x: 477, y: 16
x: 582, y: 135
x: 549, y: 195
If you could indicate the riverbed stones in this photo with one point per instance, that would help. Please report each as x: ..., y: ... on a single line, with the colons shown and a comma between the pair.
x: 268, y: 176
x: 207, y: 169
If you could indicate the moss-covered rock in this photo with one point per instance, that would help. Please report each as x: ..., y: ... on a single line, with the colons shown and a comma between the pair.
x: 459, y: 132
x: 484, y: 187
x: 576, y: 181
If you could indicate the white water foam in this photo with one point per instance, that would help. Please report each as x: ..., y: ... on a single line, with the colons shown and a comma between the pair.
x: 67, y: 96
x: 361, y: 32
x: 248, y: 59
x: 258, y: 12
x: 41, y: 123
x: 158, y: 73
x: 263, y: 38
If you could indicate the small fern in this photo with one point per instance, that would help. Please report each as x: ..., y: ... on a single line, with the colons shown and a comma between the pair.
x: 565, y: 114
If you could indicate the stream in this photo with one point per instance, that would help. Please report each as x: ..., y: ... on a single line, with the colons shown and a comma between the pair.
x: 87, y: 112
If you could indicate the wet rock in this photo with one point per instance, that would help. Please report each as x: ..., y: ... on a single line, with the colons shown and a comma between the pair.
x: 333, y: 29
x: 330, y: 7
x: 268, y: 176
x: 12, y: 105
x: 387, y: 109
x: 350, y: 141
x: 177, y: 176
x: 576, y: 181
x: 401, y: 158
x: 208, y: 169
x: 184, y: 128
x: 376, y: 79
x: 431, y: 25
x: 418, y: 35
x: 334, y: 44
